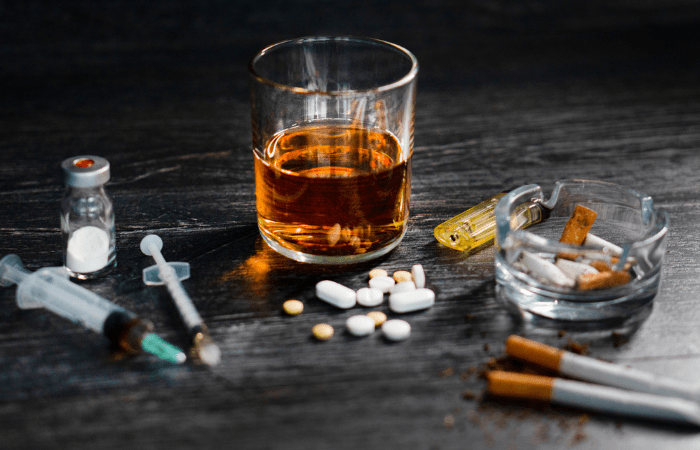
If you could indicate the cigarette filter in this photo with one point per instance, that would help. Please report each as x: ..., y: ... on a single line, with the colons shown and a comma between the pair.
x: 593, y: 397
x: 594, y: 370
x: 578, y: 225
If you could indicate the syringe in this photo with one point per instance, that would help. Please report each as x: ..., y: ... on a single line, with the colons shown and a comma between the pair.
x: 170, y: 274
x: 51, y: 288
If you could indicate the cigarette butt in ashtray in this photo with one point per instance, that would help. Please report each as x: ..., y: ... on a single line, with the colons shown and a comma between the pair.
x: 592, y: 396
x: 597, y: 371
x: 578, y: 226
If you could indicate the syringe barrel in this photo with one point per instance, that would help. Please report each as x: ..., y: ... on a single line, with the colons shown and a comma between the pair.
x: 69, y: 300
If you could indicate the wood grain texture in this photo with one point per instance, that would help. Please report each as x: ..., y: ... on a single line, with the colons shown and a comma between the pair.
x: 509, y: 93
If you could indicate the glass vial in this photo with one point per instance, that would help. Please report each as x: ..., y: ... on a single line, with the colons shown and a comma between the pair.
x: 87, y: 218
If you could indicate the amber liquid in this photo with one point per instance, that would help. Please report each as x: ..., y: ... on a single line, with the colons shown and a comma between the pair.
x: 332, y: 190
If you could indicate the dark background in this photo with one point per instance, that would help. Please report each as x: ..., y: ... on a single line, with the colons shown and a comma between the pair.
x: 509, y: 93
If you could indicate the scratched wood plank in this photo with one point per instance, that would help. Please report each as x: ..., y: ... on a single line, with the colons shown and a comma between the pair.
x: 509, y: 94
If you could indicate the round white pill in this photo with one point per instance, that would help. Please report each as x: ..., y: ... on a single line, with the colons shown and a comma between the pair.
x: 403, y: 287
x: 384, y: 284
x: 336, y: 294
x: 408, y: 301
x: 396, y: 329
x: 370, y: 297
x: 360, y: 325
x: 418, y: 275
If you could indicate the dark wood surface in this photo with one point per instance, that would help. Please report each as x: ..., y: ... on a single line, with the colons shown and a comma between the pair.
x: 510, y: 93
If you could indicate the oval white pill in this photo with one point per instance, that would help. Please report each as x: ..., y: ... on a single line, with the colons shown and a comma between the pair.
x: 370, y: 297
x: 408, y: 301
x: 336, y: 294
x: 418, y: 275
x: 360, y: 325
x: 403, y: 287
x: 384, y: 284
x: 396, y: 329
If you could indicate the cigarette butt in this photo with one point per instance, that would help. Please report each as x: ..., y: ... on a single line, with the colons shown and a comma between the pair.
x: 604, y: 266
x: 535, y: 352
x: 602, y: 280
x: 600, y: 265
x: 573, y: 269
x: 509, y: 384
x: 545, y: 270
x: 578, y: 226
x: 593, y: 240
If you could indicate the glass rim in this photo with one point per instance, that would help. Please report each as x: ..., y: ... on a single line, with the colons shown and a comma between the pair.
x: 658, y: 218
x: 407, y: 78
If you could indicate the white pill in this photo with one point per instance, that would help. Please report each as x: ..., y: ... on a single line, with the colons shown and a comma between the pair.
x: 384, y: 284
x: 370, y: 297
x: 418, y: 275
x: 403, y: 287
x: 545, y: 270
x: 336, y: 294
x: 360, y: 325
x: 396, y: 329
x: 408, y: 301
x: 573, y: 269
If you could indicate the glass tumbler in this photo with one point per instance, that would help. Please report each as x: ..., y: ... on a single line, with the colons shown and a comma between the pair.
x: 332, y: 122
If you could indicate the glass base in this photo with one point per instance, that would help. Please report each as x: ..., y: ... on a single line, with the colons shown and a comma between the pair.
x: 331, y: 260
x: 96, y: 274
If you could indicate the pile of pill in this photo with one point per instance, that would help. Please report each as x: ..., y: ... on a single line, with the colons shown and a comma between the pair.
x: 407, y: 293
x: 574, y: 271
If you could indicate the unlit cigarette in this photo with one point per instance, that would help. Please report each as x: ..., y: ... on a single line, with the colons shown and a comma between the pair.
x: 545, y: 270
x: 594, y: 370
x: 595, y: 241
x: 593, y: 396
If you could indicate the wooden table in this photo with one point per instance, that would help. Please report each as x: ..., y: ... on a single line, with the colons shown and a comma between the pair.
x: 509, y: 94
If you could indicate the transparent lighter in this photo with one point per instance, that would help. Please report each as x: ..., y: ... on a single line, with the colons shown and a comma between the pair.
x: 51, y: 288
x: 475, y: 228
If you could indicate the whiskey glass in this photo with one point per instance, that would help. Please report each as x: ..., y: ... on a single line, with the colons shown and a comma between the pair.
x: 332, y: 125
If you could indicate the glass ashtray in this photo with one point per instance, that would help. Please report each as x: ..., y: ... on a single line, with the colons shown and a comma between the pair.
x: 625, y: 218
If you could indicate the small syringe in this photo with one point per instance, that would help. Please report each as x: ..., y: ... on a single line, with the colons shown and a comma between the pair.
x: 170, y: 274
x: 51, y: 288
x: 475, y: 228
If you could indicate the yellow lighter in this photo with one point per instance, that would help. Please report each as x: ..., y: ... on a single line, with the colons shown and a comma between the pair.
x: 475, y: 228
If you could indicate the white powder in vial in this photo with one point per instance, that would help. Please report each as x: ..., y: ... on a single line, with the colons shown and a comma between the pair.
x: 88, y: 250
